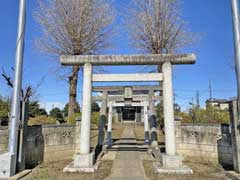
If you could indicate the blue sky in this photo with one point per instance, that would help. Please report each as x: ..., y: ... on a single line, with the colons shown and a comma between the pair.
x: 215, y: 59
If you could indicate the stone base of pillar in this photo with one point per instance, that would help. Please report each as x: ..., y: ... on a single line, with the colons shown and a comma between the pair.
x: 171, y: 161
x: 233, y: 175
x: 154, y: 142
x: 84, y: 160
x: 146, y: 138
x: 171, y: 164
x: 7, y: 165
x: 82, y: 163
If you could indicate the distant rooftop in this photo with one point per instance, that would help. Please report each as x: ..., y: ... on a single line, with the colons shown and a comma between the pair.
x: 215, y: 100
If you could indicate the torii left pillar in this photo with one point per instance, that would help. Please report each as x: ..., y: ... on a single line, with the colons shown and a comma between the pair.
x: 84, y: 159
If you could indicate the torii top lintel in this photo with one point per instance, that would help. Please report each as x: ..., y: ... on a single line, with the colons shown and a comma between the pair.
x: 139, y: 59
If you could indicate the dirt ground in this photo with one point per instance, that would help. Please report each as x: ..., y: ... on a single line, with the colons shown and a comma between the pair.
x: 200, y: 172
x: 54, y: 170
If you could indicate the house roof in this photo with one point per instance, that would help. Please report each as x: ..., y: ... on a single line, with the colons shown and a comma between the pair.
x: 214, y: 100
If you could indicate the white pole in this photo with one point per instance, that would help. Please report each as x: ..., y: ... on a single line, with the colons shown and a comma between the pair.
x: 168, y: 109
x: 109, y: 127
x: 145, y: 111
x: 146, y: 124
x: 235, y: 19
x: 86, y: 109
x: 17, y: 86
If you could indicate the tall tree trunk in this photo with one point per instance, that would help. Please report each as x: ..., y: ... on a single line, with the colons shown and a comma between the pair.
x: 73, y: 79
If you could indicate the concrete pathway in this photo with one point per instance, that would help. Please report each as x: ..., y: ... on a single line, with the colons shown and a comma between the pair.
x: 127, y: 164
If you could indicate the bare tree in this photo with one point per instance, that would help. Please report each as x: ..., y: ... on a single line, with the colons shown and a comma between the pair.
x: 74, y: 27
x: 29, y: 92
x: 156, y: 26
x: 25, y: 94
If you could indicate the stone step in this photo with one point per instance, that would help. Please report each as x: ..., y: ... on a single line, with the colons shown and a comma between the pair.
x: 127, y: 164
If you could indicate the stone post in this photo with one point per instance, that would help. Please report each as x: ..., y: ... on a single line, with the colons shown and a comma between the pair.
x: 101, y: 126
x: 168, y: 109
x: 103, y: 110
x: 109, y: 128
x: 146, y: 124
x: 151, y: 103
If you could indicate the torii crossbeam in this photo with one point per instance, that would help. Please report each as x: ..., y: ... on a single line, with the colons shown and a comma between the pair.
x: 128, y: 59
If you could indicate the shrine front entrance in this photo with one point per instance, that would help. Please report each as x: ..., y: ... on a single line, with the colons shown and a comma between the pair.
x: 128, y: 113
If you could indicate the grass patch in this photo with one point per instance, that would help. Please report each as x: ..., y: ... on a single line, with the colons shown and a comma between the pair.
x: 39, y: 120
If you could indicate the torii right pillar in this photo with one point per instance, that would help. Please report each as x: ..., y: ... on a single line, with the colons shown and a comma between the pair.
x: 170, y: 160
x: 168, y: 109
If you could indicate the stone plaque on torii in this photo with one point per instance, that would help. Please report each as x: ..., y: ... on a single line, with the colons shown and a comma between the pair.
x: 128, y: 93
x: 84, y: 159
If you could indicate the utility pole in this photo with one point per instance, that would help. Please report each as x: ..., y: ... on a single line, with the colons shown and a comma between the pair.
x: 197, y: 100
x: 17, y: 86
x: 174, y: 97
x: 210, y: 89
x: 236, y: 33
x: 192, y: 110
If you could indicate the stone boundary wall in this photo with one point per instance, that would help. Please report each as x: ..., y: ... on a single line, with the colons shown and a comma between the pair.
x: 45, y: 143
x: 3, y: 139
x: 202, y: 142
x: 50, y: 142
x: 205, y: 142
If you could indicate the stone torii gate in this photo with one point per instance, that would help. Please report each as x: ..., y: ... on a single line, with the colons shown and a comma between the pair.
x: 119, y: 97
x: 117, y: 93
x: 84, y: 159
